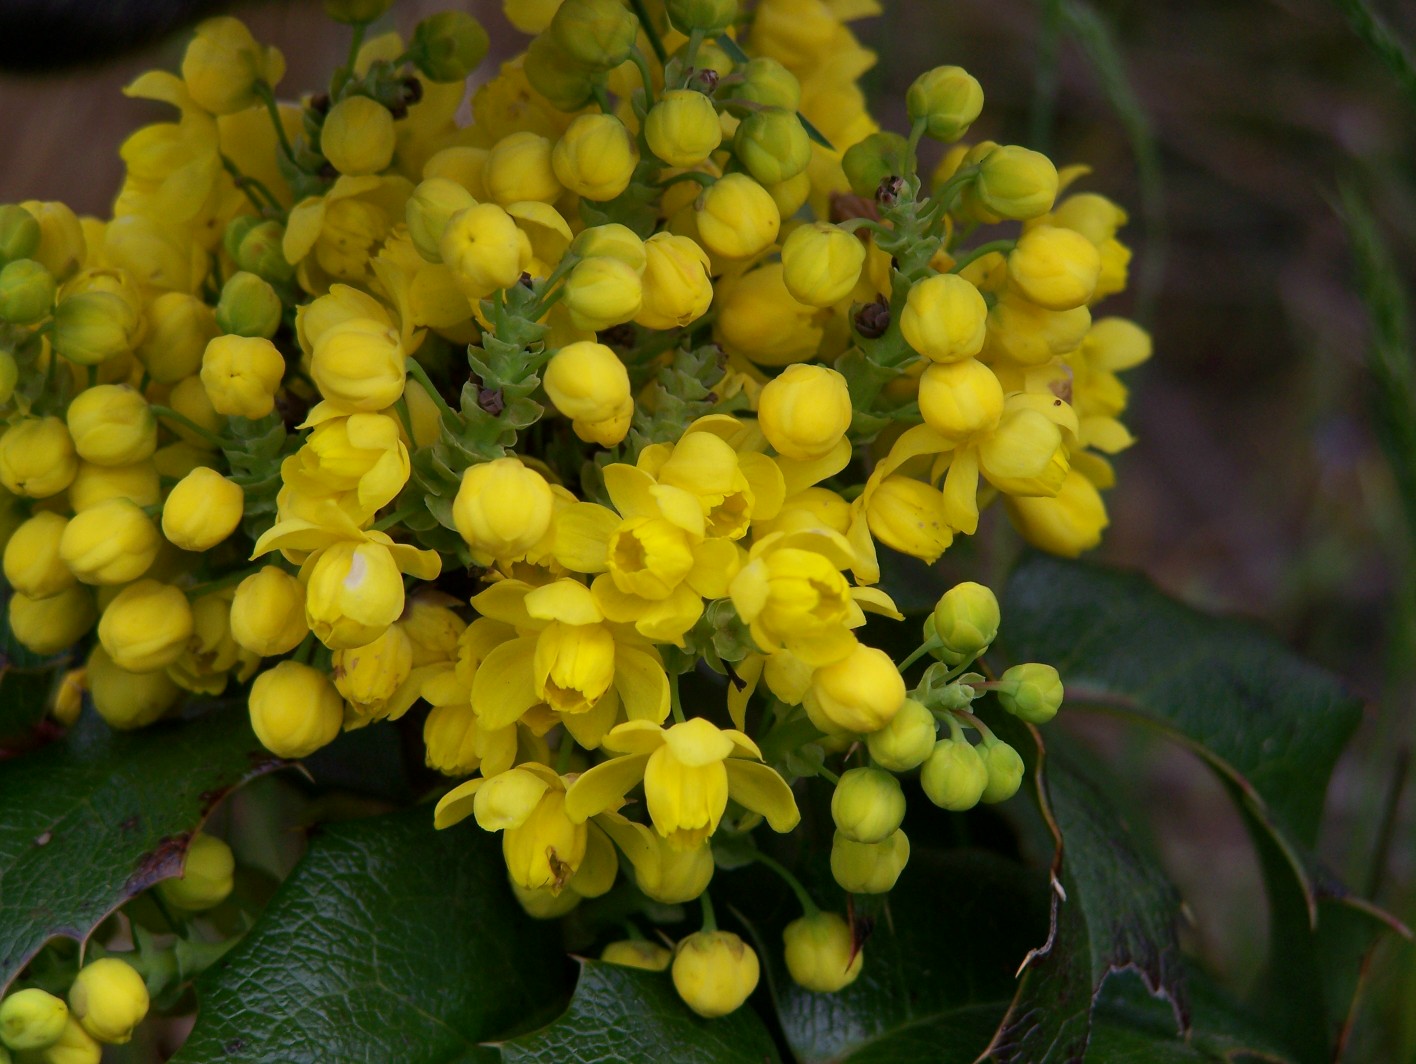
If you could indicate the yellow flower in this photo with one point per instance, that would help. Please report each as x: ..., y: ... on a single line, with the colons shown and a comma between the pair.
x: 602, y: 291
x: 821, y: 263
x: 146, y: 626
x: 126, y: 699
x: 48, y: 625
x: 179, y: 328
x: 333, y: 237
x: 909, y: 516
x: 484, y: 249
x: 37, y: 457
x: 32, y: 1019
x: 361, y: 460
x: 677, y: 289
x: 682, y: 128
x: 203, y: 509
x: 760, y: 320
x: 519, y: 168
x: 241, y: 375
x: 211, y: 654
x: 1055, y: 268
x: 821, y: 953
x: 714, y: 972
x: 595, y: 157
x: 737, y: 218
x: 860, y: 692
x: 1014, y: 182
x: 111, y: 543
x: 869, y: 867
x: 960, y: 399
x: 112, y: 425
x: 945, y: 318
x: 32, y: 562
x: 374, y: 678
x: 1068, y: 523
x: 359, y: 365
x: 772, y: 145
x: 667, y: 873
x: 357, y: 136
x: 268, y: 612
x: 947, y: 99
x: 587, y: 381
x: 805, y: 411
x: 637, y: 953
x: 207, y: 875
x: 295, y: 709
x: 503, y: 509
x: 223, y: 63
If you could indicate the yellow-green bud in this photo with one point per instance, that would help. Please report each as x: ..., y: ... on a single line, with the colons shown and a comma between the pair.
x: 567, y: 84
x: 870, y: 161
x: 597, y: 33
x: 207, y: 875
x: 710, y: 57
x: 638, y: 953
x: 241, y: 375
x: 869, y: 867
x: 295, y: 709
x: 112, y: 425
x: 248, y: 306
x: 32, y: 562
x: 947, y: 99
x: 861, y: 693
x: 179, y: 328
x: 805, y: 410
x: 19, y: 233
x: 1005, y: 771
x: 867, y: 805
x: 601, y: 292
x: 258, y: 250
x: 821, y: 264
x: 966, y: 622
x: 37, y: 458
x: 1015, y: 182
x: 595, y: 157
x: 770, y: 84
x: 202, y: 510
x: 448, y: 46
x: 125, y: 699
x: 1031, y: 692
x: 357, y: 136
x: 1054, y: 268
x: 958, y: 399
x: 772, y: 145
x: 109, y: 998
x: 49, y: 625
x: 612, y: 241
x: 94, y: 326
x: 268, y: 612
x: 710, y: 17
x: 31, y: 1019
x: 906, y: 741
x: 945, y: 318
x: 714, y: 972
x: 683, y: 128
x: 821, y: 953
x: 737, y: 218
x: 9, y: 376
x: 954, y: 776
x: 353, y: 12
x: 111, y: 543
x: 428, y: 211
x: 26, y: 292
x: 75, y: 1046
x: 146, y: 626
x: 62, y: 247
x: 503, y: 508
x: 586, y: 381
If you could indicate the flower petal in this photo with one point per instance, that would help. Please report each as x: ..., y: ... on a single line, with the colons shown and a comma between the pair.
x: 756, y: 786
x: 598, y: 788
x: 456, y: 804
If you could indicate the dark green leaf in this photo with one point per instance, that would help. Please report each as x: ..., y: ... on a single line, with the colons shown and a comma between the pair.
x: 100, y: 816
x: 628, y: 1014
x: 390, y: 941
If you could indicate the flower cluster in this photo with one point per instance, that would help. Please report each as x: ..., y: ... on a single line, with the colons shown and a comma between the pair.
x: 584, y: 423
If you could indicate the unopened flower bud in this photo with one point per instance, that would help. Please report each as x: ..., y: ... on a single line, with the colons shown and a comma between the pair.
x: 597, y: 33
x: 268, y: 612
x: 62, y: 247
x: 1016, y: 183
x: 869, y: 867
x: 945, y: 318
x: 906, y: 741
x: 448, y: 46
x: 207, y: 875
x: 1031, y: 692
x: 179, y: 327
x: 1005, y: 771
x: 947, y: 99
x: 202, y: 510
x: 737, y: 218
x: 959, y: 399
x: 111, y: 543
x: 714, y: 972
x: 19, y: 234
x: 595, y: 157
x: 954, y: 776
x: 772, y: 145
x: 966, y: 622
x: 638, y: 953
x: 241, y: 375
x: 359, y: 365
x: 295, y: 709
x: 821, y: 264
x: 909, y: 516
x: 567, y: 84
x: 112, y: 425
x: 37, y: 458
x: 109, y: 999
x: 32, y: 563
x: 805, y: 410
x: 586, y: 381
x: 503, y: 508
x: 50, y: 624
x: 248, y: 306
x: 485, y: 249
x: 677, y: 288
x: 353, y: 593
x: 820, y: 952
x: 146, y: 626
x: 709, y: 17
x: 368, y: 676
x: 602, y: 292
x: 74, y: 1046
x: 1055, y: 268
x: 861, y: 693
x: 870, y: 161
x: 768, y: 83
x: 867, y: 805
x: 357, y: 136
x: 31, y: 1019
x: 26, y: 292
x: 259, y: 251
x: 223, y: 65
x: 683, y: 128
x: 429, y: 210
x: 93, y: 326
x: 126, y: 699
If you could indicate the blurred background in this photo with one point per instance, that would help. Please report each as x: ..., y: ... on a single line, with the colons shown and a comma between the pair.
x: 1249, y: 140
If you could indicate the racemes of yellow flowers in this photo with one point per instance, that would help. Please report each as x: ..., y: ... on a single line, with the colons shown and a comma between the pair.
x: 584, y: 423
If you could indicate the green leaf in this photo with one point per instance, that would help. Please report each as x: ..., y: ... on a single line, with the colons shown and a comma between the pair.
x: 621, y: 1013
x: 95, y: 819
x: 390, y: 941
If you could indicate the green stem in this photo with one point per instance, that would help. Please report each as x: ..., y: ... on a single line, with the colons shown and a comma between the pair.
x: 808, y: 906
x: 403, y: 415
x: 973, y: 722
x: 850, y: 225
x: 827, y: 775
x: 912, y: 147
x: 645, y: 74
x: 690, y: 55
x: 263, y: 90
x: 305, y: 649
x: 343, y: 76
x: 249, y: 186
x: 980, y: 251
x: 603, y: 99
x: 710, y: 919
x: 392, y: 519
x: 674, y: 702
x: 418, y: 373
x: 649, y: 30
x: 171, y: 415
x: 924, y: 648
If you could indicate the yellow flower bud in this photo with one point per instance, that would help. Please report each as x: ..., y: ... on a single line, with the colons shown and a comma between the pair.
x: 677, y: 289
x: 608, y: 431
x: 683, y: 128
x: 519, y: 168
x: 804, y: 411
x: 68, y: 700
x: 611, y: 241
x: 772, y: 145
x: 146, y: 626
x: 179, y: 328
x: 248, y: 306
x: 368, y: 676
x: 595, y: 157
x: 954, y: 775
x: 62, y: 247
x: 37, y: 458
x: 109, y: 999
x: 111, y: 543
x: 19, y: 234
x: 26, y: 292
x: 1094, y: 216
x: 710, y: 17
x: 947, y: 99
x: 94, y: 326
x: 503, y: 508
x: 760, y: 320
x: 908, y: 515
x: 1068, y: 524
x: 601, y: 292
x: 638, y: 953
x: 125, y: 699
x: 429, y: 210
x: 869, y: 867
x: 357, y: 136
x: 821, y: 953
x: 268, y: 612
x: 597, y: 33
x: 945, y: 318
x: 75, y: 1046
x: 1032, y: 335
x: 202, y: 510
x: 1054, y: 268
x: 966, y: 622
x: 93, y: 484
x: 587, y: 381
x: 485, y: 249
x: 241, y: 375
x: 867, y: 804
x: 791, y: 194
x: 1014, y: 182
x: 906, y: 741
x: 190, y: 399
x: 223, y: 64
x: 49, y: 625
x: 714, y: 972
x: 860, y: 693
x: 32, y: 563
x: 31, y: 1019
x: 958, y: 399
x: 359, y: 364
x: 821, y: 264
x: 448, y: 46
x: 295, y: 709
x: 737, y: 218
x: 207, y: 875
x: 112, y: 425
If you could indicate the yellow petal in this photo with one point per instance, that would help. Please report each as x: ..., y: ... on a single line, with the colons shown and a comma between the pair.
x: 635, y: 737
x: 598, y: 868
x: 961, y: 491
x: 642, y: 684
x: 567, y: 601
x: 698, y: 742
x: 505, y: 601
x: 508, y: 800
x: 583, y: 536
x: 757, y: 787
x: 456, y: 804
x: 504, y: 687
x: 599, y: 788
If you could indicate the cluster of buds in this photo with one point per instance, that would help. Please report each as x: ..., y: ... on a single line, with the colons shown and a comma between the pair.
x: 653, y: 357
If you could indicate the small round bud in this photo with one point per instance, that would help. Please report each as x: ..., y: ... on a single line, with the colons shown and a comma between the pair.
x: 737, y: 218
x: 1005, y: 771
x: 146, y: 626
x: 945, y: 318
x: 26, y: 292
x: 602, y: 292
x: 954, y: 776
x: 260, y: 251
x: 202, y: 510
x: 873, y: 160
x: 127, y: 700
x: 503, y: 508
x: 1031, y: 692
x: 1016, y: 183
x: 714, y: 972
x: 768, y: 83
x: 677, y: 288
x: 109, y: 999
x: 357, y: 137
x: 19, y: 234
x: 368, y: 676
x: 947, y: 99
x: 49, y: 625
x: 37, y: 458
x: 74, y: 1046
x: 820, y: 952
x: 805, y: 410
x: 241, y: 375
x: 223, y: 65
x: 93, y: 484
x: 93, y: 326
x: 1054, y: 268
x: 869, y: 867
x: 429, y: 210
x: 821, y: 264
x: 959, y: 399
x: 860, y: 693
x: 359, y: 365
x: 683, y: 128
x: 638, y: 953
x: 772, y: 145
x: 111, y: 543
x: 32, y: 563
x: 906, y: 741
x: 966, y: 620
x: 611, y: 241
x: 596, y: 33
x: 448, y: 46
x: 112, y: 425
x: 179, y: 328
x: 268, y: 612
x: 295, y: 709
x: 207, y: 875
x: 586, y: 381
x: 248, y: 306
x: 867, y: 805
x: 62, y: 247
x: 568, y: 85
x: 709, y: 17
x: 595, y: 157
x: 485, y: 249
x: 31, y: 1019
